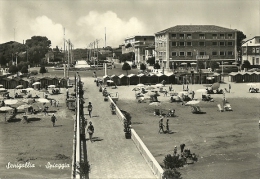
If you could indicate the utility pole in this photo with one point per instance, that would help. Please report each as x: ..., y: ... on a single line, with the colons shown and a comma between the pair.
x: 97, y: 53
x: 105, y: 38
x: 94, y: 55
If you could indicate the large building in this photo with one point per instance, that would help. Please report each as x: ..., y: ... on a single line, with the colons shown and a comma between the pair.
x: 188, y: 44
x: 137, y: 44
x: 251, y: 50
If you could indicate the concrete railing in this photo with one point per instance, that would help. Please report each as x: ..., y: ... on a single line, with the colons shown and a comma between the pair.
x: 149, y: 158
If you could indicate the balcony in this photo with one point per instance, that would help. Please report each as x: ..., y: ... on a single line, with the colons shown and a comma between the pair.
x: 202, y: 57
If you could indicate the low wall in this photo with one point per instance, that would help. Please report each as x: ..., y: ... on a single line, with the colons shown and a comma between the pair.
x: 150, y: 160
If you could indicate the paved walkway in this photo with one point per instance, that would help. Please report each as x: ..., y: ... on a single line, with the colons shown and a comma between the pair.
x: 111, y: 155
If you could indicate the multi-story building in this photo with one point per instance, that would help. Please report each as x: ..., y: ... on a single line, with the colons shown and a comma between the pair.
x: 137, y: 44
x: 188, y: 44
x: 251, y: 50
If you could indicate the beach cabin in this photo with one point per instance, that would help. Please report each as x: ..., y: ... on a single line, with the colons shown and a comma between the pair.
x: 45, y: 81
x: 171, y: 79
x: 142, y: 78
x: 153, y: 79
x: 115, y: 78
x: 105, y: 78
x: 123, y: 80
x: 162, y: 77
x: 133, y: 79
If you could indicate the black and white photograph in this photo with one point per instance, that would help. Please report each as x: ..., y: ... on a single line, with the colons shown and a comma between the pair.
x: 129, y: 89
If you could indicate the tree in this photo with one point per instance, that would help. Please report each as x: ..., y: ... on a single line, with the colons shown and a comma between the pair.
x: 24, y: 69
x: 201, y: 65
x: 246, y: 64
x: 151, y: 61
x: 156, y: 66
x: 213, y: 65
x: 240, y: 37
x: 143, y: 67
x: 13, y: 69
x: 126, y: 67
x: 171, y: 174
x: 43, y: 70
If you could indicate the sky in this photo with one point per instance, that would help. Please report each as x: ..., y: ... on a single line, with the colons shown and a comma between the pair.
x: 86, y: 21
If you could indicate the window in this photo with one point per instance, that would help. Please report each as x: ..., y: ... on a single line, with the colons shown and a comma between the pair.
x: 214, y: 53
x: 230, y: 52
x: 182, y: 43
x: 257, y: 50
x: 202, y: 53
x: 222, y: 43
x: 174, y: 43
x: 214, y: 36
x: 174, y: 36
x: 253, y: 60
x: 222, y: 53
x: 181, y: 53
x: 144, y: 39
x: 222, y: 36
x: 174, y: 53
x: 188, y: 43
x: 257, y: 61
x: 230, y: 43
x: 202, y: 36
x: 253, y: 50
x: 189, y: 36
x: 244, y: 50
x: 181, y: 36
x: 214, y: 43
x: 201, y: 43
x: 189, y: 53
x: 230, y: 36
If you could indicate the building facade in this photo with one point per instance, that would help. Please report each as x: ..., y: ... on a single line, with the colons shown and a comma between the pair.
x: 137, y: 44
x: 189, y: 44
x: 251, y: 51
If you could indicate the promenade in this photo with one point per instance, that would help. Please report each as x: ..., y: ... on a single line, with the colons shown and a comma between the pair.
x: 110, y: 155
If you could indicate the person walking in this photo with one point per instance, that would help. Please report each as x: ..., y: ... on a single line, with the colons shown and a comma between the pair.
x: 167, y: 126
x: 165, y: 92
x: 229, y: 87
x: 90, y: 107
x: 161, y: 125
x: 259, y: 123
x: 53, y: 119
x: 192, y: 95
x: 90, y: 131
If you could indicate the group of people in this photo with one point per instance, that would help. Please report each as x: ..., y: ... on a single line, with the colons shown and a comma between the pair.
x: 161, y: 126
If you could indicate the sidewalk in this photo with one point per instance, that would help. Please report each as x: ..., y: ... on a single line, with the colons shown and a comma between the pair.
x: 111, y: 155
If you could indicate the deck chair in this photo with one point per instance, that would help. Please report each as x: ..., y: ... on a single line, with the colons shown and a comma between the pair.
x: 227, y: 107
x: 220, y: 109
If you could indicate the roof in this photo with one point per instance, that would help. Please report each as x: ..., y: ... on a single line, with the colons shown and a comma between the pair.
x: 121, y: 76
x: 196, y: 28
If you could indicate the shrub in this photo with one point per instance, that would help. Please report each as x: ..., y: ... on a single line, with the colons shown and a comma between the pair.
x: 173, y: 162
x: 171, y: 174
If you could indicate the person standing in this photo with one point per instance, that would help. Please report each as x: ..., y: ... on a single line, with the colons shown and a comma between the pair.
x: 259, y: 123
x: 182, y: 147
x: 53, y: 119
x: 192, y: 95
x: 165, y: 92
x: 161, y: 125
x: 175, y: 151
x: 229, y: 87
x: 167, y: 126
x: 90, y: 107
x: 90, y: 131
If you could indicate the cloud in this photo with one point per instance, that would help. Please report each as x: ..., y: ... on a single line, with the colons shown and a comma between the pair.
x: 43, y: 26
x: 93, y: 25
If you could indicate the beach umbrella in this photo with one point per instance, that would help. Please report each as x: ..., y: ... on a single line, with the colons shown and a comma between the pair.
x: 6, y: 108
x: 140, y: 85
x: 51, y: 86
x: 36, y: 83
x: 43, y: 100
x: 3, y: 89
x: 28, y: 100
x: 150, y: 88
x: 19, y: 87
x: 1, y: 86
x: 159, y: 85
x: 136, y: 89
x: 10, y: 101
x: 192, y: 102
x: 215, y: 86
x: 193, y: 63
x: 23, y: 107
x: 110, y: 81
x: 183, y: 63
x: 29, y: 89
x: 155, y: 104
x: 201, y: 90
x: 251, y: 84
